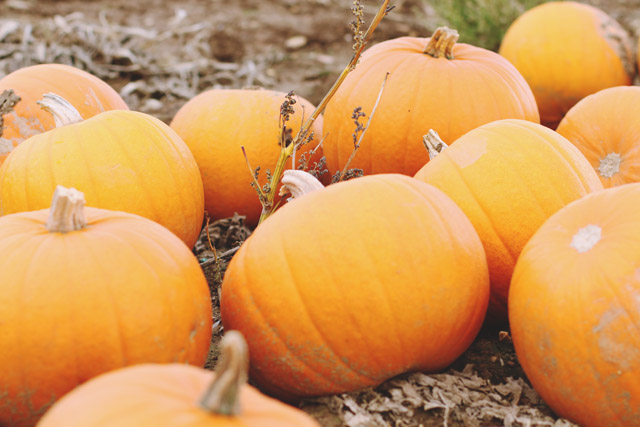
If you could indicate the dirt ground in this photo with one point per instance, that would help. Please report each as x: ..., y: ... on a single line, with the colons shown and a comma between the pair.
x: 160, y: 54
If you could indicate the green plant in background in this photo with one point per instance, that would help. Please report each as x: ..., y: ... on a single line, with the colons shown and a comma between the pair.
x: 481, y: 22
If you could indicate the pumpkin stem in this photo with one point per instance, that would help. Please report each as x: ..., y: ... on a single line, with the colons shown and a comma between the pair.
x: 223, y: 395
x: 67, y: 211
x: 441, y: 43
x: 433, y: 143
x: 63, y: 112
x: 298, y: 183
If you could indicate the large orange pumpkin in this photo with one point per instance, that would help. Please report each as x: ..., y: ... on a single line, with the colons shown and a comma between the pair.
x: 86, y: 92
x: 433, y: 84
x: 216, y: 125
x: 348, y: 286
x: 85, y: 291
x: 508, y: 177
x: 605, y: 127
x: 566, y: 51
x: 574, y: 308
x: 120, y: 160
x: 175, y: 395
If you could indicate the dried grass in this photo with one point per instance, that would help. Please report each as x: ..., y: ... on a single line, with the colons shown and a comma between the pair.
x: 450, y: 399
x: 168, y: 63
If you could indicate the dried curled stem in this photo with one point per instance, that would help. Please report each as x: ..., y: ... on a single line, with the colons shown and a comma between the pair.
x: 67, y: 211
x: 304, y: 135
x: 63, y: 112
x: 223, y: 395
x: 433, y: 143
x: 298, y: 183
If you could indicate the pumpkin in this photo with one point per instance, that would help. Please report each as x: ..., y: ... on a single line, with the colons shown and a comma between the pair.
x: 434, y: 83
x: 84, y: 291
x: 175, y: 395
x: 574, y: 309
x: 86, y: 92
x: 216, y: 124
x: 605, y: 127
x: 345, y: 287
x: 566, y: 51
x: 120, y: 160
x: 508, y: 177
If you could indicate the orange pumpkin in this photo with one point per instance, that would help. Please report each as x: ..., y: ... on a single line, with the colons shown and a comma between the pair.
x: 433, y: 84
x: 508, y: 177
x: 85, y: 291
x: 121, y: 160
x: 348, y: 286
x: 574, y: 309
x: 175, y: 395
x: 86, y: 92
x: 566, y: 51
x: 605, y: 127
x: 216, y: 125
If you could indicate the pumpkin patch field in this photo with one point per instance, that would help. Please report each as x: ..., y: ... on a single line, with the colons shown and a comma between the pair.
x: 319, y: 212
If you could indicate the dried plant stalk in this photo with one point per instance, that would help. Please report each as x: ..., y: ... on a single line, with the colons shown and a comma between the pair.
x: 286, y: 150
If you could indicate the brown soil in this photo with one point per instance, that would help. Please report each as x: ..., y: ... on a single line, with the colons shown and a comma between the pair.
x: 159, y: 54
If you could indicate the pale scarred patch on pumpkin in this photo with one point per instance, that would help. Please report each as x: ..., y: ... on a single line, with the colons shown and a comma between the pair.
x: 613, y: 343
x: 610, y: 165
x: 586, y: 238
x: 471, y: 153
x: 26, y: 127
x: 6, y: 145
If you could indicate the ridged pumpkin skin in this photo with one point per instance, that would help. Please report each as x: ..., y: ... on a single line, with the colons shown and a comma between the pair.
x: 83, y: 90
x: 508, y: 177
x: 217, y: 123
x: 348, y: 286
x: 605, y: 127
x: 73, y: 305
x: 574, y: 309
x: 163, y: 395
x: 121, y: 160
x: 452, y: 96
x: 566, y: 51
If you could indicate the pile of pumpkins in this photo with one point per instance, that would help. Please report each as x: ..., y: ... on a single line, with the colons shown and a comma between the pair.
x: 497, y: 188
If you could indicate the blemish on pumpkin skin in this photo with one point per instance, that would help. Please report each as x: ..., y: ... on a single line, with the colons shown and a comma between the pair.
x: 26, y: 127
x: 192, y: 334
x: 613, y: 348
x: 6, y: 145
x: 470, y: 154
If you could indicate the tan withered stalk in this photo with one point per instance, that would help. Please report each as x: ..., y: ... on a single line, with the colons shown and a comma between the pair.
x: 286, y: 151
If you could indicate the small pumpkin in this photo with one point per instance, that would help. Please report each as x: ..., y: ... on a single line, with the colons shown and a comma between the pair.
x: 86, y: 92
x: 508, y: 177
x: 567, y: 50
x: 605, y: 127
x: 434, y: 83
x: 347, y: 286
x: 216, y: 124
x: 175, y: 395
x: 574, y: 309
x: 120, y: 160
x: 84, y: 291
